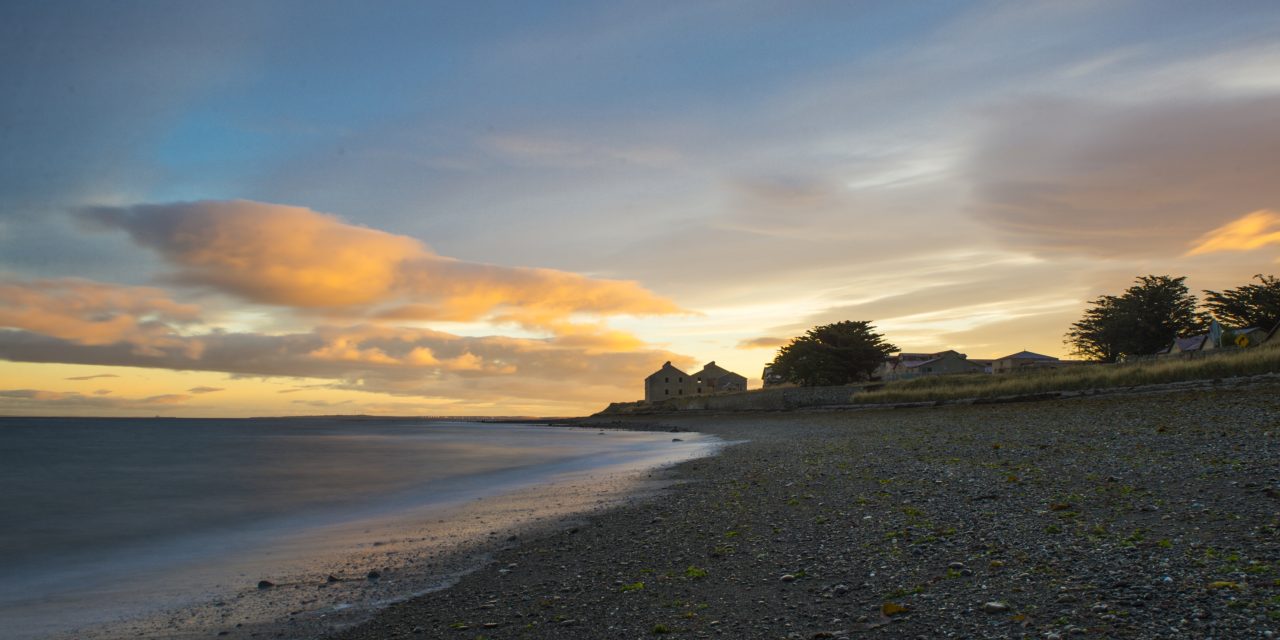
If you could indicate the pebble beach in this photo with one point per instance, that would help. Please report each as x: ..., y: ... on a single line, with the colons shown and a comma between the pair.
x: 1146, y: 516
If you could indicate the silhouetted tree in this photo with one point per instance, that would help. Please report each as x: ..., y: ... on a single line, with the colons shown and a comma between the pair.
x: 1143, y: 320
x: 1250, y: 305
x: 832, y: 354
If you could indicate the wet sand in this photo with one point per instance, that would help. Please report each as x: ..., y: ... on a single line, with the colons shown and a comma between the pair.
x: 1152, y: 516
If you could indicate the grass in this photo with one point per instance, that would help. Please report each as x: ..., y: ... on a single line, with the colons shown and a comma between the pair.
x: 1245, y: 362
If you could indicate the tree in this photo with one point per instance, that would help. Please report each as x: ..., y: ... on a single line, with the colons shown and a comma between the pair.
x: 832, y: 354
x: 1250, y: 305
x: 1143, y: 320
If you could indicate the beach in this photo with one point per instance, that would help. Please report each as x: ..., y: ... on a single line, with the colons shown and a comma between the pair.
x: 1144, y: 516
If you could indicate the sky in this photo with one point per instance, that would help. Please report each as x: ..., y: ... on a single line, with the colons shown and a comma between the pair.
x: 516, y: 208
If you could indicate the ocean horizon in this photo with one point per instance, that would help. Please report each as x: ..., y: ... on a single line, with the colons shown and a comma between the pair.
x: 169, y: 526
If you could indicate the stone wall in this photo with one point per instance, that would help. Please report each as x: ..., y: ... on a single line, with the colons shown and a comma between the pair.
x: 776, y: 399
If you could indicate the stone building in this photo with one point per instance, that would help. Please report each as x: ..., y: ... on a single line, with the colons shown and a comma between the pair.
x: 667, y: 382
x: 905, y: 366
x: 1025, y: 361
x: 670, y: 382
x: 716, y: 379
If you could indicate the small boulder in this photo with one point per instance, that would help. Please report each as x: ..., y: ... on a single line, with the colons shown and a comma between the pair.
x: 265, y: 584
x: 995, y: 607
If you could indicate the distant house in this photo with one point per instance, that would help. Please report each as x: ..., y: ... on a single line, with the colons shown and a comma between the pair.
x: 1248, y: 337
x: 1025, y: 361
x: 716, y: 379
x: 898, y: 364
x: 670, y: 382
x: 1190, y: 343
x: 1273, y: 335
x: 1252, y: 336
x: 665, y: 383
x: 914, y: 365
x: 772, y: 379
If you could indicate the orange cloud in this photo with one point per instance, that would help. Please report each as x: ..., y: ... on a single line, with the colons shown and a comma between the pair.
x: 95, y: 313
x: 394, y: 360
x: 1252, y: 231
x: 27, y: 401
x: 296, y: 257
x: 93, y: 377
x: 1126, y: 179
x: 763, y: 342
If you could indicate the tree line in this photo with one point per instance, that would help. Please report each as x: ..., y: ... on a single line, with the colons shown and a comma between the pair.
x: 1156, y: 310
x: 1144, y: 319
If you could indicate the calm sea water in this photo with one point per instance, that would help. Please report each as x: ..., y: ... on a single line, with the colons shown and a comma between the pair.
x: 90, y: 501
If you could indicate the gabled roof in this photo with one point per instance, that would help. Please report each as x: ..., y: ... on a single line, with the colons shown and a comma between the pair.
x: 906, y: 356
x: 941, y: 355
x: 913, y: 356
x: 713, y: 370
x: 667, y: 369
x: 1190, y: 343
x: 920, y: 363
x: 1027, y: 355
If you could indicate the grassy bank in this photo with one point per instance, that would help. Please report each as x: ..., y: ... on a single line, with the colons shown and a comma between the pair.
x: 1227, y: 365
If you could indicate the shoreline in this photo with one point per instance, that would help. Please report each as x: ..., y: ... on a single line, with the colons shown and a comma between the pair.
x: 1142, y: 516
x: 321, y: 578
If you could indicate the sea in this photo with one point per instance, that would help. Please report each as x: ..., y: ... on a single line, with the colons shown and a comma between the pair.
x: 178, y: 528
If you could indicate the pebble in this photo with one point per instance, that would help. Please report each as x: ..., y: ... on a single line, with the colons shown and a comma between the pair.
x: 994, y: 606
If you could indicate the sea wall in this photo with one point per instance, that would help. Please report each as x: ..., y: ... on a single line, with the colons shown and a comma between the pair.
x: 776, y: 399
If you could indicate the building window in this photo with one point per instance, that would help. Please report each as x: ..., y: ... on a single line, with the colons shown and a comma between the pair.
x: 699, y: 389
x: 666, y: 392
x: 668, y: 379
x: 681, y: 392
x: 681, y: 380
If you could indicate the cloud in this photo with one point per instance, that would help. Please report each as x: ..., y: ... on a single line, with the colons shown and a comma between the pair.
x: 1252, y: 231
x: 296, y: 257
x: 321, y: 403
x: 763, y: 342
x: 27, y: 401
x: 1125, y: 179
x: 205, y: 390
x: 100, y: 375
x: 398, y: 361
x: 95, y: 313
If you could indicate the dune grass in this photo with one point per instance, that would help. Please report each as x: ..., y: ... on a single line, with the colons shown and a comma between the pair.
x: 1244, y: 362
